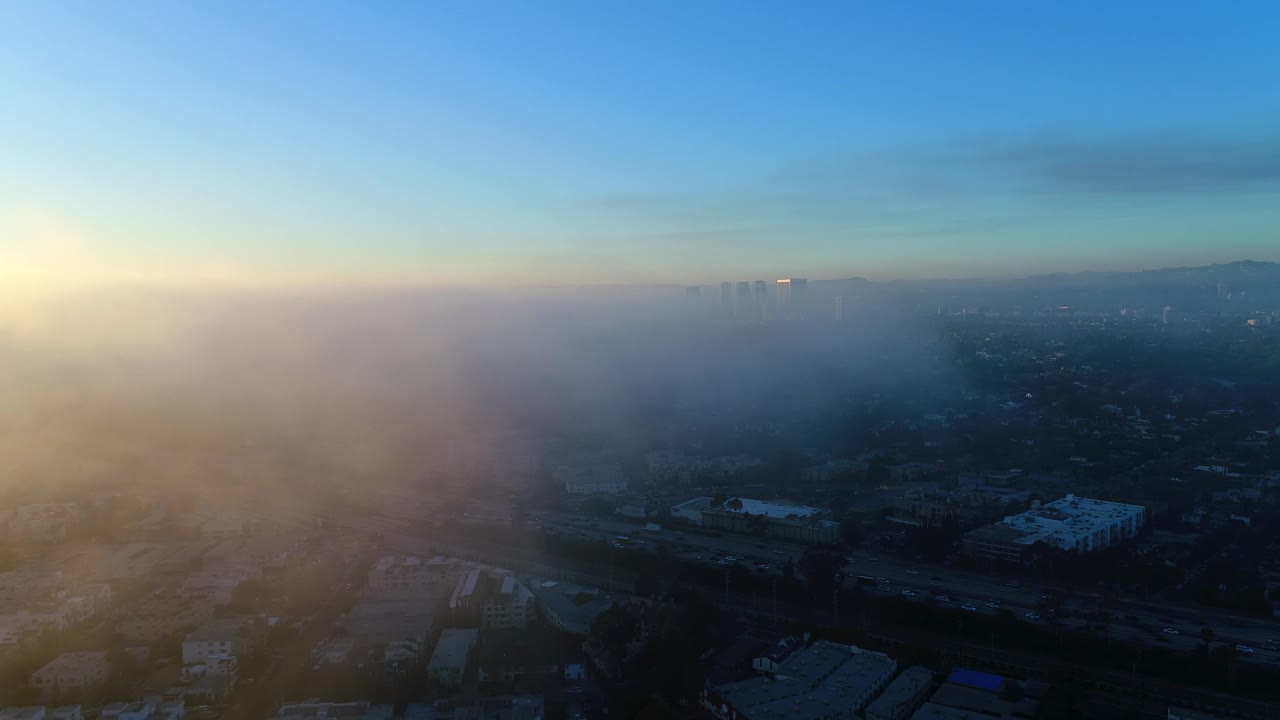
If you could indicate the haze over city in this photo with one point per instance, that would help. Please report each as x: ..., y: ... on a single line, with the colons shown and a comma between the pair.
x: 586, y: 361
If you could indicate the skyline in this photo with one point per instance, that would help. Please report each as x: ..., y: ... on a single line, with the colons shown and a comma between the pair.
x: 500, y: 144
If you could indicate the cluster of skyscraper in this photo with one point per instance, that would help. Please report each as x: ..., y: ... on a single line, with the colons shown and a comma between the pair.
x: 751, y: 302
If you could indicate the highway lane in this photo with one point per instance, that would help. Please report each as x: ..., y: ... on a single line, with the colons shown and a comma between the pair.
x: 1129, y: 620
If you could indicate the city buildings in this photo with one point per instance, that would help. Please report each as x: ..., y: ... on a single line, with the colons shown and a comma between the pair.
x: 158, y: 618
x: 234, y: 636
x: 824, y: 680
x: 607, y: 479
x: 791, y: 294
x: 1071, y: 523
x: 743, y: 303
x: 796, y: 522
x: 71, y: 672
x: 449, y: 660
x: 760, y: 291
x: 412, y: 576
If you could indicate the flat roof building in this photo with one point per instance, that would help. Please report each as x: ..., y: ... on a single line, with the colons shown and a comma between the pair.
x: 903, y: 695
x: 823, y: 680
x: 449, y: 661
x: 1071, y: 523
x: 795, y: 522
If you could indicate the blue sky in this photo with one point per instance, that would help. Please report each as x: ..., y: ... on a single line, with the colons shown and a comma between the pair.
x: 593, y: 142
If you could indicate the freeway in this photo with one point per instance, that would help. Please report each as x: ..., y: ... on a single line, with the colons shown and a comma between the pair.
x: 1117, y: 619
x: 1120, y: 619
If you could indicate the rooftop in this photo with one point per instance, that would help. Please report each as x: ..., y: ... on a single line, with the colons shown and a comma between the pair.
x: 453, y: 647
x: 773, y: 510
x: 822, y: 680
x: 902, y: 690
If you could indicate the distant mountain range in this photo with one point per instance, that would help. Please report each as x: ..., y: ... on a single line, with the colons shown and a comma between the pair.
x: 1252, y: 281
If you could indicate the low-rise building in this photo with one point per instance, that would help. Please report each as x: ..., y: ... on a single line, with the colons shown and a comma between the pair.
x: 571, y: 608
x: 19, y: 587
x: 793, y: 522
x: 691, y: 510
x: 448, y: 662
x: 159, y: 618
x: 498, y: 597
x: 236, y: 636
x: 410, y: 575
x: 1071, y: 523
x: 72, y: 672
x: 906, y: 693
x: 969, y: 693
x: 592, y: 479
x: 824, y: 680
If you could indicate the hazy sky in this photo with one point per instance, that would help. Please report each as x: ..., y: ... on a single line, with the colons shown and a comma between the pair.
x: 603, y: 142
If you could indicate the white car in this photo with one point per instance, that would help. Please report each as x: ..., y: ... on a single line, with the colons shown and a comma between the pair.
x: 1170, y: 631
x: 970, y: 608
x: 909, y: 593
x: 1032, y: 615
x: 1244, y: 649
x: 913, y: 572
x: 993, y: 605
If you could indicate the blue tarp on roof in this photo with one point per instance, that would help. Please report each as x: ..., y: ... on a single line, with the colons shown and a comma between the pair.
x: 975, y: 679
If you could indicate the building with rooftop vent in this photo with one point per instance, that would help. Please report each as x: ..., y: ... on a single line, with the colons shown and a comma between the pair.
x: 1072, y: 523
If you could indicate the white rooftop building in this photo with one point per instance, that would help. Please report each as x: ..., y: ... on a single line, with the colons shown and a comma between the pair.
x: 1076, y: 523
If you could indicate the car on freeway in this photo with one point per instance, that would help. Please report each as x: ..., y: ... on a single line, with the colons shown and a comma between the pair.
x: 696, y: 556
x: 882, y: 581
x: 1032, y: 615
x: 1244, y: 649
x: 942, y: 598
x: 913, y: 572
x: 909, y: 593
x: 970, y: 608
x: 993, y: 604
x: 1170, y: 631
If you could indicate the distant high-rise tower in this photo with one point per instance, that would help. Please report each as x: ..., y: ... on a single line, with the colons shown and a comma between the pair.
x: 760, y: 291
x: 791, y: 294
x: 742, y: 301
x: 839, y: 308
x: 726, y: 296
x: 1224, y: 290
x: 1168, y: 314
